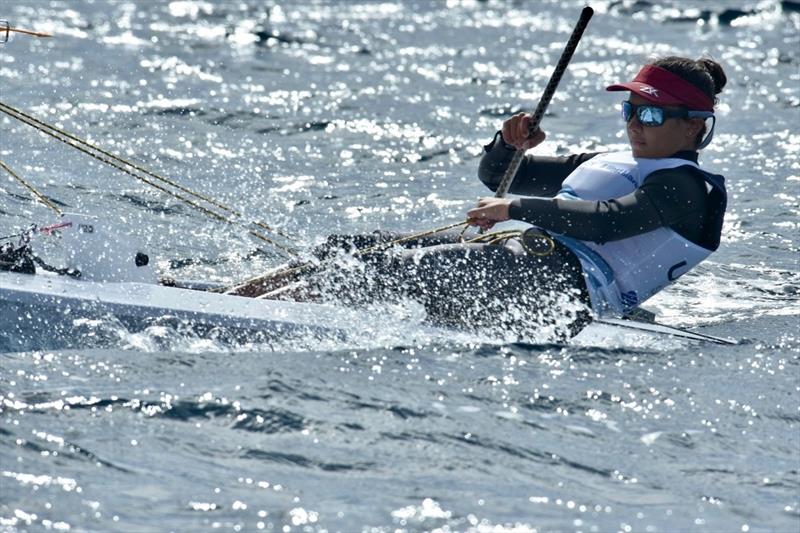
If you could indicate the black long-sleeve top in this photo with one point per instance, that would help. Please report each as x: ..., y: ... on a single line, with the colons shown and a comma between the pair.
x: 676, y: 197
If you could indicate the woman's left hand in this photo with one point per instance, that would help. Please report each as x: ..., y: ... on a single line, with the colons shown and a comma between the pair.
x: 489, y: 212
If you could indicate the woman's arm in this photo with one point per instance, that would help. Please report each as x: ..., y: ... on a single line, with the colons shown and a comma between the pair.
x: 601, y: 222
x: 676, y: 198
x: 537, y: 175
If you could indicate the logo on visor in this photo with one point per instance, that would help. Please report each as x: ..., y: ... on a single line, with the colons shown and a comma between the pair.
x: 649, y: 90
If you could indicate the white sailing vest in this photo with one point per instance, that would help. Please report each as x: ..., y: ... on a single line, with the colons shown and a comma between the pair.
x: 622, y: 274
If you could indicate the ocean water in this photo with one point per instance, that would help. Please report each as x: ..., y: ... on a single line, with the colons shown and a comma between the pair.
x: 322, y: 117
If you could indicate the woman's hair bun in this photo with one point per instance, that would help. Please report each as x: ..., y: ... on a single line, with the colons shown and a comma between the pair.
x: 714, y: 69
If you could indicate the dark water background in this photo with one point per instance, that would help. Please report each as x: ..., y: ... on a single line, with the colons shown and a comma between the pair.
x: 337, y: 116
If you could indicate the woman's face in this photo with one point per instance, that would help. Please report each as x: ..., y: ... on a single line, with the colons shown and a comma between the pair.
x: 653, y: 142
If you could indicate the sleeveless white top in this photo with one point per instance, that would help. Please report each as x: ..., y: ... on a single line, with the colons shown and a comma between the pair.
x: 622, y: 274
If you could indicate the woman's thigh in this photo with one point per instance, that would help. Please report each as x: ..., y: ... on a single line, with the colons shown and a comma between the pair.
x: 479, y: 284
x: 337, y: 243
x: 463, y: 285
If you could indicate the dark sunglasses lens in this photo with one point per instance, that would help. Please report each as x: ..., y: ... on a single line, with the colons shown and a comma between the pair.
x: 627, y: 109
x: 650, y: 115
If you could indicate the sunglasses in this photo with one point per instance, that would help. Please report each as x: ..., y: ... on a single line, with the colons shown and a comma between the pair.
x: 653, y: 115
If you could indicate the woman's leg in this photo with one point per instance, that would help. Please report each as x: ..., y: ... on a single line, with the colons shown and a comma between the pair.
x: 491, y: 286
x: 336, y: 243
x: 468, y: 285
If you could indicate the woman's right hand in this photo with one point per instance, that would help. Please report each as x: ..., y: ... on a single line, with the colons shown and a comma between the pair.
x: 515, y: 132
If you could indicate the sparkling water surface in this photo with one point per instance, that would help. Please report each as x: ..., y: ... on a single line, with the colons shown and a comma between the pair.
x: 344, y: 117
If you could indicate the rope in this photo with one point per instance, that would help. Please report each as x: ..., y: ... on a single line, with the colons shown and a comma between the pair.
x: 36, y: 122
x: 9, y: 237
x: 42, y: 198
x: 382, y: 246
x: 112, y: 160
x: 495, y: 236
x: 4, y: 27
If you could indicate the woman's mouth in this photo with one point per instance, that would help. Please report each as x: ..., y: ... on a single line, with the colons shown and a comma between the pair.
x: 637, y: 142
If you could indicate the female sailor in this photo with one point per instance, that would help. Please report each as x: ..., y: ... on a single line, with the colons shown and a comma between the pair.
x: 636, y: 220
x: 609, y: 230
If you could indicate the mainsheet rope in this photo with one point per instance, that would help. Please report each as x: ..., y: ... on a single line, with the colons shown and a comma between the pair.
x: 117, y: 162
x: 41, y: 197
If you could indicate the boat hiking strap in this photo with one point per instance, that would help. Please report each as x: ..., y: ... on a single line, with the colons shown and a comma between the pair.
x: 41, y: 197
x: 139, y: 173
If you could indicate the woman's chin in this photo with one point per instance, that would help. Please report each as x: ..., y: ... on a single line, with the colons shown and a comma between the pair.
x: 642, y: 150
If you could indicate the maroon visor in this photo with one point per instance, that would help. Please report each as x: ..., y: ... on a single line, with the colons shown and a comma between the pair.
x: 662, y: 87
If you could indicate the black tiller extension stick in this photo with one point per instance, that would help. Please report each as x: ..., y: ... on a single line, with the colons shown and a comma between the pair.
x: 561, y: 67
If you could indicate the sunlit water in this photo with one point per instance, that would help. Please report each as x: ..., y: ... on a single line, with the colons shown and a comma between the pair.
x: 322, y: 117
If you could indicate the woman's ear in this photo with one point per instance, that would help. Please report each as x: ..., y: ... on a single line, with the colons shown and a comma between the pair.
x: 695, y: 127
